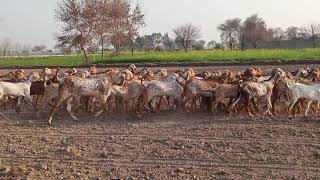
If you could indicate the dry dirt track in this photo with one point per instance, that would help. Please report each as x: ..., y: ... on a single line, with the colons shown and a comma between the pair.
x: 167, y: 145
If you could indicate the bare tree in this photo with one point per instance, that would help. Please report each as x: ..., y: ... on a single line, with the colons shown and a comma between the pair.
x: 5, y: 46
x: 276, y: 34
x: 135, y: 21
x: 230, y: 31
x: 25, y: 50
x: 77, y: 17
x: 17, y: 49
x: 103, y: 25
x: 186, y: 34
x: 167, y: 41
x: 255, y: 30
x: 119, y: 17
x: 314, y: 33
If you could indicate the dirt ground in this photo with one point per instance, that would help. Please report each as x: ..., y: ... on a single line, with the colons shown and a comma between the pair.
x: 166, y: 145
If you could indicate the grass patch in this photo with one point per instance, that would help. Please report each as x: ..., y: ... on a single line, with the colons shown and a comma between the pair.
x: 173, y: 56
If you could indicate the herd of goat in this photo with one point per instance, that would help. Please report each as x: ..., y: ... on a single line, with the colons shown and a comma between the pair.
x: 138, y: 91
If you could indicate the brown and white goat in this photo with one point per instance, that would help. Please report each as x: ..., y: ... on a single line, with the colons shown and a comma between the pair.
x: 260, y: 90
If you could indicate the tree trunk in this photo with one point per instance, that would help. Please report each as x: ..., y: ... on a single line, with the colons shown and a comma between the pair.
x: 254, y: 44
x: 4, y: 55
x: 186, y: 47
x: 131, y: 44
x: 230, y: 41
x: 118, y: 47
x: 85, y: 54
x: 102, y: 49
x: 314, y: 42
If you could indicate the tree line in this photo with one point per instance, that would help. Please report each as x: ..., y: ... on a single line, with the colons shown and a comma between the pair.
x: 91, y: 25
x: 96, y: 25
x: 10, y: 48
x: 236, y: 34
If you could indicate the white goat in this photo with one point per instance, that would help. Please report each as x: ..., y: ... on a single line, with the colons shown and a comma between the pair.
x: 97, y: 86
x: 20, y: 89
x: 302, y: 91
x: 168, y: 87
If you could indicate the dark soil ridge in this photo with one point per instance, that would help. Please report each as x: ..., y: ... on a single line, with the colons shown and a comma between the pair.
x: 174, y: 64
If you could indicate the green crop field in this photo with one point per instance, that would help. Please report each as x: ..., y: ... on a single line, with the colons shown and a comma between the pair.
x: 172, y: 56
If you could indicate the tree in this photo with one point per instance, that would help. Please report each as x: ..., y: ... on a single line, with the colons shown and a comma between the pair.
x: 39, y: 49
x: 255, y: 30
x: 76, y: 17
x: 199, y: 45
x: 292, y: 33
x: 276, y: 34
x: 102, y: 25
x: 157, y: 40
x: 25, y: 50
x: 186, y: 34
x: 5, y: 46
x: 148, y: 42
x: 314, y: 33
x: 119, y: 18
x: 211, y: 44
x: 139, y: 42
x: 296, y: 33
x: 135, y: 21
x: 167, y: 41
x: 230, y: 31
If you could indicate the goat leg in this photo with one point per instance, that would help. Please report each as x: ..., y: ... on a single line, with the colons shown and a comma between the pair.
x: 307, y: 109
x: 69, y: 109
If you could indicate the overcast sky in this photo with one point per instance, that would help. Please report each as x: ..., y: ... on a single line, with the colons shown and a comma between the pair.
x: 32, y: 21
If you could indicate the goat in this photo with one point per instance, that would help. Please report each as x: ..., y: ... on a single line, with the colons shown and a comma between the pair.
x: 281, y: 90
x: 299, y: 91
x: 168, y: 87
x: 97, y: 86
x: 250, y: 90
x: 132, y: 68
x: 302, y: 72
x: 129, y: 93
x: 20, y: 89
x: 204, y: 75
x: 250, y: 73
x: 195, y: 88
x: 224, y: 91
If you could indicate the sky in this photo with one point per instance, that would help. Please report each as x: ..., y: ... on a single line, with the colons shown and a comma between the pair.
x: 32, y: 22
